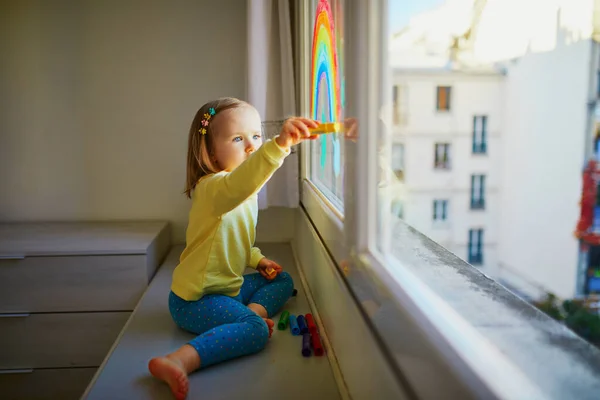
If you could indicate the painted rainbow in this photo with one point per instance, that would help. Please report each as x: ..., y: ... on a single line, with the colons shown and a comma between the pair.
x: 325, y: 107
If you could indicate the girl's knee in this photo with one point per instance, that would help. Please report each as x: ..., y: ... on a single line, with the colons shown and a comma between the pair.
x: 259, y: 332
x: 286, y: 277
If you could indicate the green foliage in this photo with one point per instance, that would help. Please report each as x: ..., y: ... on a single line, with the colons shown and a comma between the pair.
x: 585, y: 323
x: 575, y: 314
x: 550, y: 306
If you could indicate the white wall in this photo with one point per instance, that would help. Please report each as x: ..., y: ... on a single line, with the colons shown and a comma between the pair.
x: 544, y: 141
x: 471, y: 95
x: 97, y: 98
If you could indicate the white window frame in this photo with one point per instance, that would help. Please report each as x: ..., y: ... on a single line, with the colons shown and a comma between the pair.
x: 354, y: 236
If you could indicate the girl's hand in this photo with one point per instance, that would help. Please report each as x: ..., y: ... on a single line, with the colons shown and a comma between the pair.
x: 294, y: 131
x: 269, y: 269
x: 351, y: 129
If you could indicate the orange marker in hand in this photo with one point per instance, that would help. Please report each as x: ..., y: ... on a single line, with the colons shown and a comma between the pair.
x: 271, y: 272
x: 328, y: 127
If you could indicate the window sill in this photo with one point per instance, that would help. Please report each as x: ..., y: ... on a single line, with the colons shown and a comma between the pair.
x: 529, y: 354
x: 477, y: 208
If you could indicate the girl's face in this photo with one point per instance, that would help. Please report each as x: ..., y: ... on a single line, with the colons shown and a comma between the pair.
x: 237, y: 135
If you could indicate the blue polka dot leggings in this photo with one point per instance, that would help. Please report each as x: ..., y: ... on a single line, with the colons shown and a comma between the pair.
x: 226, y: 327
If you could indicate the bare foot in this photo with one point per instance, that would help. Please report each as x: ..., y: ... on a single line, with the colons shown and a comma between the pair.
x: 270, y: 325
x: 172, y: 373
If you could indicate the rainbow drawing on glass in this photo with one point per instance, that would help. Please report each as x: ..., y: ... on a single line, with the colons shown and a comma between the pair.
x: 326, y: 102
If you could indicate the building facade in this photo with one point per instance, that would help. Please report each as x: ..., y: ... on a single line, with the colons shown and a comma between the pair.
x: 548, y: 139
x: 541, y: 132
x: 447, y: 130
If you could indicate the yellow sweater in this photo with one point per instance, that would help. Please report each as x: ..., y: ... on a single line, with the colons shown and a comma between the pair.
x: 222, y: 226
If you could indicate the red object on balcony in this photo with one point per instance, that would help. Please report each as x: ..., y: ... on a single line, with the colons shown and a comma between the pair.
x: 591, y: 176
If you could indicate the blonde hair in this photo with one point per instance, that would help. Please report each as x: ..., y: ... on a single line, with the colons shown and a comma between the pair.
x: 200, y: 147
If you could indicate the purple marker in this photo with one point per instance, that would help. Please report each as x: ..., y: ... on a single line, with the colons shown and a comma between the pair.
x: 306, y: 345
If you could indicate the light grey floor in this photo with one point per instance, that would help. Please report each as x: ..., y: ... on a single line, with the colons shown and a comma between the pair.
x: 278, y: 372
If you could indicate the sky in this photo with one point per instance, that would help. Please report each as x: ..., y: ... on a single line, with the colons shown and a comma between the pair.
x: 402, y: 10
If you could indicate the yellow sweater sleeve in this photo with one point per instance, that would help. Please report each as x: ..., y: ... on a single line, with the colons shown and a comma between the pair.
x: 228, y: 190
x: 255, y: 257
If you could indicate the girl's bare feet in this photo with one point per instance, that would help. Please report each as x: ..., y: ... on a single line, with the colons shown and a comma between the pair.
x: 270, y: 325
x: 262, y: 312
x: 171, y: 372
x: 174, y: 369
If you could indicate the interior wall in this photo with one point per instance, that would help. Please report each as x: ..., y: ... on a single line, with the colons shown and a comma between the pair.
x: 97, y: 98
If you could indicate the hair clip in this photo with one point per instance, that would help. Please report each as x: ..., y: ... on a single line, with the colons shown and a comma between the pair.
x: 207, y: 116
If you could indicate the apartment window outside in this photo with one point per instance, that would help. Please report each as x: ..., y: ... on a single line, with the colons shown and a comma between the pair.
x: 400, y: 105
x: 440, y: 210
x: 442, y: 156
x: 398, y: 209
x: 398, y: 160
x: 443, y: 98
x: 477, y: 192
x: 396, y: 111
x: 475, y: 246
x: 480, y: 134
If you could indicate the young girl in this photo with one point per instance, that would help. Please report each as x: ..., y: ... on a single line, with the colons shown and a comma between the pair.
x: 227, y: 164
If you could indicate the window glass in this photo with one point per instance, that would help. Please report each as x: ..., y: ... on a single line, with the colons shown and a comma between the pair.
x: 477, y: 191
x: 479, y: 134
x: 442, y: 156
x: 398, y: 159
x: 475, y: 246
x: 440, y: 210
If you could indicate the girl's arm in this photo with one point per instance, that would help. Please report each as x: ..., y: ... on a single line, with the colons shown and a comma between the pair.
x: 255, y: 257
x: 230, y: 189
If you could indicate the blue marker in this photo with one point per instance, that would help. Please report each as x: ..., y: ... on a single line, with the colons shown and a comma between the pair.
x: 302, y: 324
x: 294, y: 325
